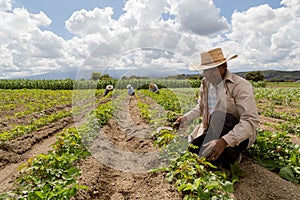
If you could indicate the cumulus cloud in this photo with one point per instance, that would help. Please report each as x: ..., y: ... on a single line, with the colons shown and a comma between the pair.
x: 153, y: 24
x: 26, y: 49
x: 267, y: 38
x: 5, y: 5
x: 200, y: 17
x: 85, y: 22
x: 162, y: 33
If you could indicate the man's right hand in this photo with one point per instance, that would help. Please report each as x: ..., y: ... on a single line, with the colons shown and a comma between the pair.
x: 176, y: 124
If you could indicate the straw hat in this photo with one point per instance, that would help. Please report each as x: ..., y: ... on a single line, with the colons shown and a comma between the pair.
x: 109, y: 87
x: 128, y: 86
x: 211, y: 59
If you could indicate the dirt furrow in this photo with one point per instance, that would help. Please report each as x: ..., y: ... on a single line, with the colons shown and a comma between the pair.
x: 106, y: 182
x: 15, y: 152
x: 9, y: 173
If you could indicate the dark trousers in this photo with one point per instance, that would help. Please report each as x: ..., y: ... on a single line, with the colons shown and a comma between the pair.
x: 220, y: 124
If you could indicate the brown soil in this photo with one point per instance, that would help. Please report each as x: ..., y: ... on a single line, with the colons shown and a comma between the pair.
x: 105, y: 182
x: 16, y: 152
x: 262, y: 184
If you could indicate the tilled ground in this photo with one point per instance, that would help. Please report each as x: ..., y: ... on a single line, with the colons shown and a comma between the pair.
x: 106, y: 182
x: 19, y: 150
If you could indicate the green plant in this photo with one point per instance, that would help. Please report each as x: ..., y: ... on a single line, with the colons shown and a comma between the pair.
x: 53, y: 175
x: 275, y: 152
x: 197, y: 178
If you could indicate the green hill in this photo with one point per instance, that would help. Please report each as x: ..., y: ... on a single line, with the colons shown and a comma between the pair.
x: 275, y: 75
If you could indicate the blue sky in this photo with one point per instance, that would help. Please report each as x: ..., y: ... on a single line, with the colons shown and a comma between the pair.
x: 50, y: 35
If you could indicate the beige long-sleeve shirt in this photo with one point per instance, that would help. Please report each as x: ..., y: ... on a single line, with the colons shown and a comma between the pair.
x: 236, y: 98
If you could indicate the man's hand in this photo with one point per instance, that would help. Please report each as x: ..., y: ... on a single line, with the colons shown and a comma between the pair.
x: 176, y: 124
x: 214, y: 149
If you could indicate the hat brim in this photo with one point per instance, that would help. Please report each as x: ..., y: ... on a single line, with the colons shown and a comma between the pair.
x: 199, y: 67
x: 110, y: 87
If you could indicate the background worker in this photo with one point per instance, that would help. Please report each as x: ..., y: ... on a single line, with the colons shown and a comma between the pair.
x: 153, y: 88
x: 108, y: 89
x: 130, y: 90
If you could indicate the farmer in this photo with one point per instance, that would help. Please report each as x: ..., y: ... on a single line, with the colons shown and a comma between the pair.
x: 108, y: 89
x: 130, y: 90
x: 153, y: 88
x: 228, y: 110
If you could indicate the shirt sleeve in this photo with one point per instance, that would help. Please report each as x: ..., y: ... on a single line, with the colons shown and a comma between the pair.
x: 246, y: 109
x: 197, y: 111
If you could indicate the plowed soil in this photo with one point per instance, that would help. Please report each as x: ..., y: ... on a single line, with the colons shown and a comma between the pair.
x: 106, y: 183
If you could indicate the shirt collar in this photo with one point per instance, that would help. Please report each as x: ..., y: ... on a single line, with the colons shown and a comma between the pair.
x: 228, y: 76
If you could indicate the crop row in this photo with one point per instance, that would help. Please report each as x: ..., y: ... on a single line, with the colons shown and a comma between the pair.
x: 18, y: 103
x: 279, y: 96
x: 69, y: 84
x: 54, y: 175
x: 19, y: 130
x: 272, y: 150
x: 193, y: 176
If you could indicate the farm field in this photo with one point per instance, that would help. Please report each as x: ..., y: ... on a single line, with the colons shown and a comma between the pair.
x: 48, y: 158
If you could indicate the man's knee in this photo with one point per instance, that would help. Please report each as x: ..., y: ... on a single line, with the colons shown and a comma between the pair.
x: 221, y: 122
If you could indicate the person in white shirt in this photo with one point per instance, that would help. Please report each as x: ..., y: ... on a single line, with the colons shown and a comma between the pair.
x: 153, y: 88
x: 130, y: 90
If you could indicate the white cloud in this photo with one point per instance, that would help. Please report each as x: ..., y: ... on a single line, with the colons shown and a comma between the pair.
x: 293, y: 6
x: 264, y: 38
x: 5, y: 5
x: 85, y: 22
x: 141, y: 25
x: 200, y: 17
x: 26, y: 49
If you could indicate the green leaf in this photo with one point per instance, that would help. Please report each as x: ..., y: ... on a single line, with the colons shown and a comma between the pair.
x: 293, y: 158
x: 185, y: 187
x: 83, y: 187
x: 269, y: 164
x: 228, y: 187
x: 197, y: 183
x: 220, y: 173
x: 235, y: 179
x: 212, y: 185
x: 211, y: 165
x: 237, y: 170
x: 287, y: 173
x: 39, y: 194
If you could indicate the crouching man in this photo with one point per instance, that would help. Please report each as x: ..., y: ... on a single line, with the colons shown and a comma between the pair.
x: 228, y: 110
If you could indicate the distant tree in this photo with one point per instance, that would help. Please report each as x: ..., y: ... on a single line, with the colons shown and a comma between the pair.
x: 196, y: 77
x: 96, y: 76
x: 255, y: 76
x: 138, y: 77
x: 105, y: 76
